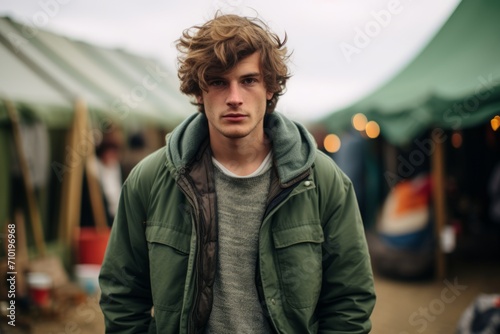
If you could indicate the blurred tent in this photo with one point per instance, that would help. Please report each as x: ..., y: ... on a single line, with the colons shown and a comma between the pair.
x: 45, y: 73
x: 453, y: 83
x: 56, y: 96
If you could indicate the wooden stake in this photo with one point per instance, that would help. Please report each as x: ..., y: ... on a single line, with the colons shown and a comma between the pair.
x: 439, y: 200
x: 75, y: 159
x: 33, y: 210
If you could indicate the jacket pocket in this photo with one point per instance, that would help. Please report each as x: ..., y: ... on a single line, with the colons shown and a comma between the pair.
x: 168, y: 265
x: 299, y: 254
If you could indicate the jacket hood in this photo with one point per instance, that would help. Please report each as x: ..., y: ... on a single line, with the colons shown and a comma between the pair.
x: 293, y: 146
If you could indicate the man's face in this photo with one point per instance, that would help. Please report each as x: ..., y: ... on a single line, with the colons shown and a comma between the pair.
x: 235, y: 103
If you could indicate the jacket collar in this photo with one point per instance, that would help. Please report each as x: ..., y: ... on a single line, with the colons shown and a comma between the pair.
x: 293, y: 146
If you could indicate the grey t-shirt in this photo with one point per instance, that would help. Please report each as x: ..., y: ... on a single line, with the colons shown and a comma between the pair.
x: 240, y: 207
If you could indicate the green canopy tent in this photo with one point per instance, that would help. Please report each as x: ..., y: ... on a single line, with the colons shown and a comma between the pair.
x: 124, y: 87
x: 51, y: 79
x: 454, y: 82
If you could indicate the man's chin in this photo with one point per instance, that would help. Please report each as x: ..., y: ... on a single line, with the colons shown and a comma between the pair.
x: 235, y: 135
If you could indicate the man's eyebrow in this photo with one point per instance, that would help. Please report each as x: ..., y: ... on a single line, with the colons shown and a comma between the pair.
x: 251, y: 75
x: 247, y: 75
x: 215, y: 77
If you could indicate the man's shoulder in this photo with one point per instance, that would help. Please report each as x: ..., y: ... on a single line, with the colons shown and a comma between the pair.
x: 326, y: 170
x: 148, y: 168
x: 325, y: 165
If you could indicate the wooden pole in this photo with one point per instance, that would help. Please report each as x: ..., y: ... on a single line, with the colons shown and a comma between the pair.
x: 75, y: 158
x: 439, y: 201
x: 33, y: 210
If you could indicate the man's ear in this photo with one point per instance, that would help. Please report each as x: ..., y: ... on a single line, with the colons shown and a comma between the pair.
x: 199, y: 99
x: 269, y: 95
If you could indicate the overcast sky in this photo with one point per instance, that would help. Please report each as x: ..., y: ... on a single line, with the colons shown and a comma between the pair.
x: 342, y: 49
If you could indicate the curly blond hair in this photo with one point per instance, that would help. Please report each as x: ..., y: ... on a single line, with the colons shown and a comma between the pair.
x: 218, y: 45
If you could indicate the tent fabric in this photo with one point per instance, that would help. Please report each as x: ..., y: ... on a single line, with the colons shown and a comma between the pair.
x: 45, y: 73
x: 453, y: 83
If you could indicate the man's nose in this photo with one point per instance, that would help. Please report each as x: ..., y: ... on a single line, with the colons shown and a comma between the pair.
x: 234, y: 97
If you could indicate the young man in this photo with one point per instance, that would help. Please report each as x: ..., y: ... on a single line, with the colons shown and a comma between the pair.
x: 237, y: 225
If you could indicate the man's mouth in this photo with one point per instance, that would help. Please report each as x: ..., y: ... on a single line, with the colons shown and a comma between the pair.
x: 234, y: 117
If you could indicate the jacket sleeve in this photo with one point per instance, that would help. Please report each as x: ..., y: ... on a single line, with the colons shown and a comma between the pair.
x: 124, y: 279
x: 347, y: 296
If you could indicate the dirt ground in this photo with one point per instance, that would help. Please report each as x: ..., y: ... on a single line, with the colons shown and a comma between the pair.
x: 431, y: 306
x: 79, y: 317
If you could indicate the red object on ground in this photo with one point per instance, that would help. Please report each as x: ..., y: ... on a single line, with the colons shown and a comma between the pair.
x: 40, y: 286
x: 40, y: 296
x: 92, y: 243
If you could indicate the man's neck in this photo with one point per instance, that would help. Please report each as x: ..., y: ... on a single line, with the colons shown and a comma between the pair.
x: 240, y: 156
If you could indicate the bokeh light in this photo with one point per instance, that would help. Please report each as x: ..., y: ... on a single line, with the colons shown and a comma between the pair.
x: 495, y: 123
x: 372, y: 129
x: 332, y: 143
x: 359, y: 122
x: 456, y: 139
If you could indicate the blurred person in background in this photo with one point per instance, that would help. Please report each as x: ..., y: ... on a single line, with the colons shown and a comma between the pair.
x: 109, y: 172
x: 239, y: 224
x: 109, y: 167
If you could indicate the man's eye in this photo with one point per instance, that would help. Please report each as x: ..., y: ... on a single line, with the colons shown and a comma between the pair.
x: 216, y: 83
x: 247, y: 81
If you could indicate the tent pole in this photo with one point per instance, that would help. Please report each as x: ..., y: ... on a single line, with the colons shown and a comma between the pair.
x: 71, y: 196
x: 33, y: 210
x: 439, y: 201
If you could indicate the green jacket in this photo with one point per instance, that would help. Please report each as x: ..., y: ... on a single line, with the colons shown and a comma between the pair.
x: 314, y: 273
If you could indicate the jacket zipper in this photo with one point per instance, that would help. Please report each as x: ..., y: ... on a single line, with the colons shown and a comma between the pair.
x: 283, y: 194
x: 186, y: 186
